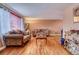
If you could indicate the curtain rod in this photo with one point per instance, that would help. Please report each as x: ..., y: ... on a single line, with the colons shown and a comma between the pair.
x: 10, y: 9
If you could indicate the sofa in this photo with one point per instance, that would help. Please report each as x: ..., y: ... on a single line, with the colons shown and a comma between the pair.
x: 16, y: 38
x: 26, y: 36
x: 72, y: 41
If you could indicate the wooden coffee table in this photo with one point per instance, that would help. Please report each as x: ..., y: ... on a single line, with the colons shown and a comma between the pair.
x: 41, y: 38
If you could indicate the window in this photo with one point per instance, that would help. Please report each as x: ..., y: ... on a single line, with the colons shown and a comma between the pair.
x: 9, y: 21
x: 4, y: 21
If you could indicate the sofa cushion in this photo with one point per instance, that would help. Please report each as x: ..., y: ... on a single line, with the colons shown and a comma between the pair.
x: 16, y: 32
x: 27, y: 32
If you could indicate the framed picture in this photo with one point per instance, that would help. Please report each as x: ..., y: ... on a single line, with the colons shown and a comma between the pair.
x: 76, y: 19
x: 76, y: 14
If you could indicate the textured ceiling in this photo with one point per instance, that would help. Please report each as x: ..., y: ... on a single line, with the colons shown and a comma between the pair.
x: 41, y: 10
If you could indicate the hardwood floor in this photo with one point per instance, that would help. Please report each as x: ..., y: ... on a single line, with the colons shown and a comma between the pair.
x: 52, y: 47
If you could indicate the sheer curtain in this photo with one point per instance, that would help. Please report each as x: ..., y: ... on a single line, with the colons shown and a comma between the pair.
x: 4, y: 21
x: 9, y: 21
x: 22, y: 24
x: 4, y: 26
x: 16, y: 22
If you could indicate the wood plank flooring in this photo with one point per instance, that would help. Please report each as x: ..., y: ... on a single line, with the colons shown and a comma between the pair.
x: 52, y: 47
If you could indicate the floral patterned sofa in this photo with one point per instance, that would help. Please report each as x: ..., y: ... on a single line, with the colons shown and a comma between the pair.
x: 72, y: 41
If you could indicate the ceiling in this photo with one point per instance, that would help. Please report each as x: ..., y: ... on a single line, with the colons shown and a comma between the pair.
x: 41, y: 10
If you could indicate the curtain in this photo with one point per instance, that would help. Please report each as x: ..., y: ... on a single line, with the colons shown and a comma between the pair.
x: 4, y: 21
x: 1, y: 17
x: 4, y: 26
x: 9, y: 21
x: 15, y: 22
x: 22, y: 24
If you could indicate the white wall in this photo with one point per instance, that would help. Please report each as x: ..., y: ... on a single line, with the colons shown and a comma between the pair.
x: 53, y: 25
x: 69, y: 18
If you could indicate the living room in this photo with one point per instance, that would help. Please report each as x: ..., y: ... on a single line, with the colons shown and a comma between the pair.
x: 39, y: 29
